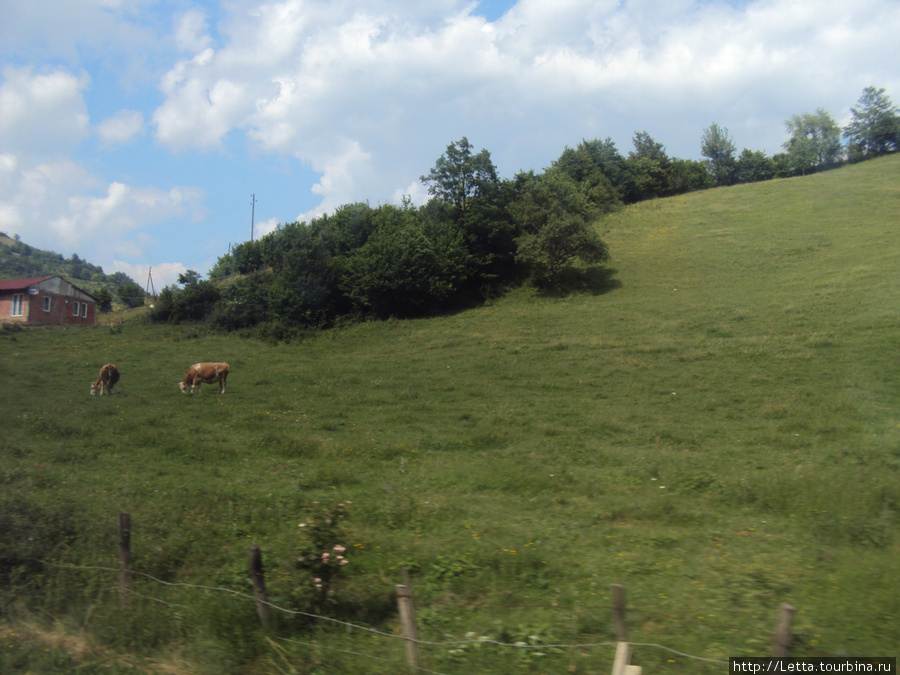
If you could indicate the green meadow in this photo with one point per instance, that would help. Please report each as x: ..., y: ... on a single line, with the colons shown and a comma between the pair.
x: 716, y: 427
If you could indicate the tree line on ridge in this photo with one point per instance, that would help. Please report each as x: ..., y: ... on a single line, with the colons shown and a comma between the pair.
x: 480, y: 234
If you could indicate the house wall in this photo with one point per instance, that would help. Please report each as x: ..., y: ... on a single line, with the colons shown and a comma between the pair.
x: 6, y: 308
x: 63, y: 298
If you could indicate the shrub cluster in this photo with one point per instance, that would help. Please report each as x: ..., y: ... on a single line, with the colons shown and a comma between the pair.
x: 476, y: 236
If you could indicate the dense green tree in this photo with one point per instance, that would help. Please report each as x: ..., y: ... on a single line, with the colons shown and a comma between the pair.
x: 104, y: 299
x: 471, y: 202
x: 752, y: 167
x: 242, y: 303
x: 194, y: 301
x: 688, y: 175
x: 601, y: 171
x: 305, y: 287
x: 131, y: 294
x: 406, y: 267
x: 874, y: 128
x: 459, y: 175
x: 189, y: 278
x: 648, y: 169
x: 782, y: 164
x: 718, y: 148
x: 814, y: 143
x: 556, y: 239
x: 247, y: 256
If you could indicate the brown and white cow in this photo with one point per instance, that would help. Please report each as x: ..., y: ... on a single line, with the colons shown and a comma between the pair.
x: 204, y: 373
x: 109, y: 375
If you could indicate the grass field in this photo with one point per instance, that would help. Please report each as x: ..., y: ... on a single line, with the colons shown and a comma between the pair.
x: 718, y: 430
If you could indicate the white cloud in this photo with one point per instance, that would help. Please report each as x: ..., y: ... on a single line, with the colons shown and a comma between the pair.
x: 262, y: 228
x: 42, y: 113
x: 119, y: 211
x: 191, y: 33
x: 121, y: 128
x: 201, y: 107
x: 60, y: 206
x: 151, y: 277
x: 340, y: 171
x: 347, y: 89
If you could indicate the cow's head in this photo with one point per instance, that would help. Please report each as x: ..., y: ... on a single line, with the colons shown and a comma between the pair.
x: 183, y: 387
x: 94, y: 388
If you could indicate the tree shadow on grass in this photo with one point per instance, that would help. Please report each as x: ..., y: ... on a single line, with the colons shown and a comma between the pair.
x: 596, y: 280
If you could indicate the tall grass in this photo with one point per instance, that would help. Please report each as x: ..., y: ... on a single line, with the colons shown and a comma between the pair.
x: 717, y: 430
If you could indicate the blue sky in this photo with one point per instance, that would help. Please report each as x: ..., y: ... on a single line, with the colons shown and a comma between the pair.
x: 133, y: 132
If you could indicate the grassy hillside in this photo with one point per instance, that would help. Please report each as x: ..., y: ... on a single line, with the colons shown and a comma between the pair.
x: 719, y: 432
x: 19, y: 260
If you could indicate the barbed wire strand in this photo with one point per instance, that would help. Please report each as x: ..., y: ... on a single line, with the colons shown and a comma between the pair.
x: 673, y: 651
x: 366, y: 628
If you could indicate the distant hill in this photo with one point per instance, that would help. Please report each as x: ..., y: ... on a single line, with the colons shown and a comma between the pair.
x: 19, y: 260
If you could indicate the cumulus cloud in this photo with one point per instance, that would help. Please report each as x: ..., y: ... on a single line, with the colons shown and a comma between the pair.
x: 121, y: 128
x: 191, y: 34
x: 62, y: 207
x: 119, y: 211
x: 201, y: 106
x: 311, y: 78
x: 42, y: 113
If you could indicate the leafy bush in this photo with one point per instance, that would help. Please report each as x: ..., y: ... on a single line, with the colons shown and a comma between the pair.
x: 405, y: 268
x: 195, y: 300
x: 131, y: 294
x: 241, y: 304
x: 323, y: 547
x: 553, y: 215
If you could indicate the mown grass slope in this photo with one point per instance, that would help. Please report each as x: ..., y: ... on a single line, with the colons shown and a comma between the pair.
x: 718, y: 430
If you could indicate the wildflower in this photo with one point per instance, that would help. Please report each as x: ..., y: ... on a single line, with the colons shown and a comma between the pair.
x: 302, y: 525
x: 325, y: 556
x: 339, y: 549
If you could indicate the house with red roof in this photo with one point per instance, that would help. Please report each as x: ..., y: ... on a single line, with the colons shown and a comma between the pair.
x: 46, y: 300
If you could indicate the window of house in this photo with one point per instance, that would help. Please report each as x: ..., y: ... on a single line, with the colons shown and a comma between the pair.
x: 46, y: 303
x: 75, y: 309
x: 18, y: 301
x: 83, y: 310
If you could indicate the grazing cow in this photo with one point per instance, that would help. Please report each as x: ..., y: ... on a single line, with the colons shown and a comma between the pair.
x: 109, y: 375
x: 204, y: 373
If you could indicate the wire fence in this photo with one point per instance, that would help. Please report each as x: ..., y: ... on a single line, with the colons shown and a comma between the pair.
x: 400, y: 638
x: 781, y: 643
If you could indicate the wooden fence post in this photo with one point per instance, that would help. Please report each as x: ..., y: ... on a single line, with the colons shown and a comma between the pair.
x: 259, y: 586
x: 124, y: 555
x: 408, y: 621
x: 621, y: 664
x: 618, y: 597
x: 781, y: 646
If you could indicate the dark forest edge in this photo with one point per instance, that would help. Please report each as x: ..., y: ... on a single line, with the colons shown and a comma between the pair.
x: 479, y: 234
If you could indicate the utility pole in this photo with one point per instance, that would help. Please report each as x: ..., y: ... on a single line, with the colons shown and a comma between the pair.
x: 150, y: 282
x: 252, y: 214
